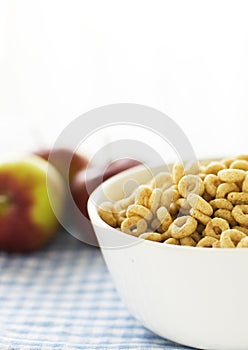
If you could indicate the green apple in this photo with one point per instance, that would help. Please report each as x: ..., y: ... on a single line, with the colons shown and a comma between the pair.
x: 27, y: 219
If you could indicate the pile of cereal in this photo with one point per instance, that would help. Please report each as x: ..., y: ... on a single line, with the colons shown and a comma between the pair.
x: 202, y: 206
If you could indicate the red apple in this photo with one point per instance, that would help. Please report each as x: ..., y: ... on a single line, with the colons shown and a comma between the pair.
x: 27, y: 220
x: 61, y: 156
x: 87, y: 180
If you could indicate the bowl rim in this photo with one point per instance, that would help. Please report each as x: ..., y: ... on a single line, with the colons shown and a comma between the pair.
x: 97, y: 220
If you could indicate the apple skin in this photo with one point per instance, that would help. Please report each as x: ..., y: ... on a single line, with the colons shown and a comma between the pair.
x: 61, y: 156
x: 27, y: 220
x: 87, y: 180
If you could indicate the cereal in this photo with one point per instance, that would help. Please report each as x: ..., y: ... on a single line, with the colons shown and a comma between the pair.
x: 200, y: 204
x: 197, y: 205
x: 215, y: 227
x: 230, y: 238
x: 240, y: 214
x: 225, y: 188
x: 190, y: 184
x: 139, y: 210
x: 182, y: 227
x: 231, y: 175
x: 207, y: 242
x: 211, y: 182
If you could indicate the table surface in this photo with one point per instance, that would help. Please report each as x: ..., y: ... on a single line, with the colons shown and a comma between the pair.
x: 63, y: 298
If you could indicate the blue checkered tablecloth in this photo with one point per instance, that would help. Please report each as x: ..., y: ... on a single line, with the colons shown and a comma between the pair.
x: 63, y: 298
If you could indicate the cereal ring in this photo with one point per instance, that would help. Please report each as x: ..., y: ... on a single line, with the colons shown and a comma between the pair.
x: 139, y: 210
x: 142, y: 196
x: 197, y: 214
x: 155, y: 224
x: 134, y: 225
x: 242, y: 229
x: 216, y: 244
x: 169, y: 196
x: 245, y: 184
x: 243, y: 243
x: 224, y: 189
x: 200, y: 204
x: 221, y: 203
x: 188, y: 241
x: 182, y: 227
x: 196, y: 236
x: 177, y: 172
x: 152, y: 236
x: 238, y: 197
x: 240, y: 214
x: 227, y: 161
x: 164, y: 217
x: 211, y: 182
x: 231, y: 175
x: 154, y: 200
x: 106, y: 213
x: 183, y: 203
x: 174, y: 210
x: 192, y: 168
x: 215, y: 227
x: 190, y: 184
x: 162, y: 180
x: 207, y: 242
x: 214, y: 167
x: 242, y: 157
x: 230, y: 238
x: 239, y: 164
x: 226, y: 215
x: 172, y: 241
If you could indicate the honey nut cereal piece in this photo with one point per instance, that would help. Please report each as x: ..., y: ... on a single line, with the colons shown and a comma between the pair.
x: 196, y: 236
x: 230, y: 238
x: 215, y: 227
x: 125, y: 202
x: 243, y: 243
x: 214, y: 167
x: 199, y: 203
x: 106, y: 213
x: 211, y: 182
x: 227, y: 161
x: 221, y: 203
x: 164, y: 217
x: 225, y: 188
x: 183, y: 203
x: 238, y: 197
x: 242, y: 157
x: 202, y: 176
x: 197, y: 214
x: 142, y: 196
x: 177, y: 172
x: 152, y: 236
x: 231, y: 175
x: 207, y: 242
x: 134, y: 225
x: 239, y: 164
x: 169, y: 196
x: 154, y: 200
x: 242, y: 229
x: 162, y: 180
x: 182, y: 227
x: 245, y: 184
x: 226, y: 215
x: 188, y: 241
x: 192, y: 168
x: 240, y: 214
x: 172, y: 241
x: 190, y: 184
x: 216, y: 244
x: 155, y: 224
x: 140, y: 210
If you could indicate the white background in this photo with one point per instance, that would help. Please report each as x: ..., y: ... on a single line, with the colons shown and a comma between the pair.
x: 189, y: 59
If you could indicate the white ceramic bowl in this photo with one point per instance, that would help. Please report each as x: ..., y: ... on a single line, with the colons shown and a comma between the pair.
x: 193, y: 296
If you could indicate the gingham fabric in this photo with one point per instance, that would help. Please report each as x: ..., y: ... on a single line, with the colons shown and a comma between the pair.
x: 63, y: 298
